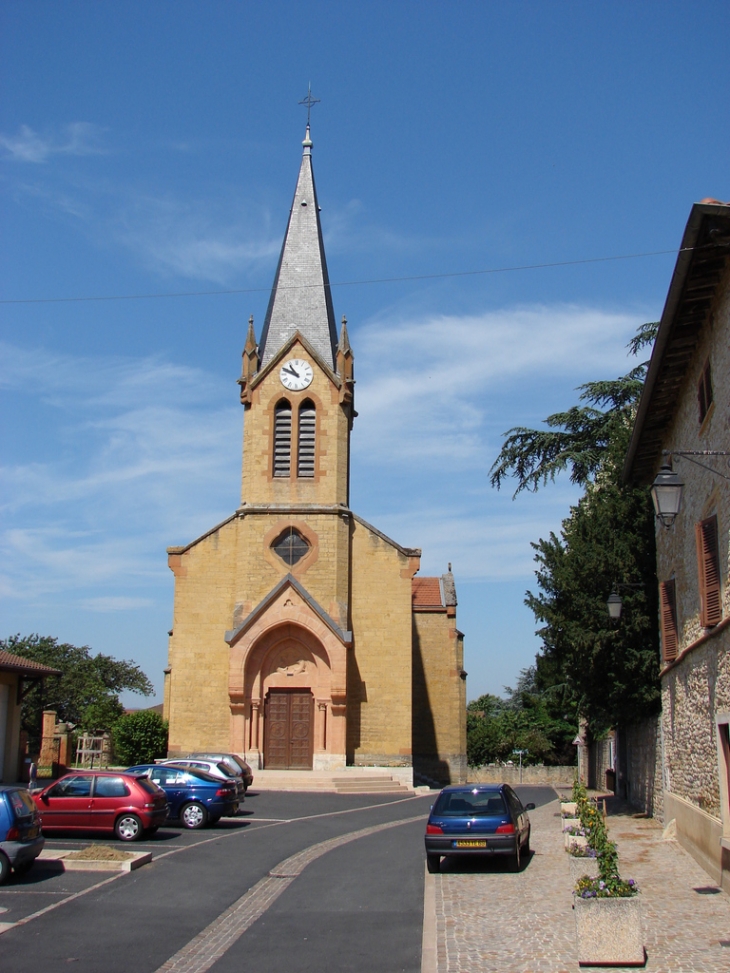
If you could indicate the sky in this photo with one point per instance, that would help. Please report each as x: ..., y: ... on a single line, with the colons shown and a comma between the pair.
x: 476, y: 164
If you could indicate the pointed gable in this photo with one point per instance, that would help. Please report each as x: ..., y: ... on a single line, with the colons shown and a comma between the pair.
x: 300, y: 298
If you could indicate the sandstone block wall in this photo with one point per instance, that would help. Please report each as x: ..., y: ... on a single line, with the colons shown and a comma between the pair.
x: 439, y: 698
x: 330, y: 482
x: 379, y: 676
x: 538, y: 774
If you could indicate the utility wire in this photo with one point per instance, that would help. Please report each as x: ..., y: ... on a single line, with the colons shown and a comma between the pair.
x: 352, y: 283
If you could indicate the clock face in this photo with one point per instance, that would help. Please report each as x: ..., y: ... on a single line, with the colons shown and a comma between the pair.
x: 296, y: 374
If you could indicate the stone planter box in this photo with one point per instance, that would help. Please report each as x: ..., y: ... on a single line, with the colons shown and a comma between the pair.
x: 568, y: 809
x: 570, y: 823
x: 582, y: 866
x: 575, y: 841
x: 609, y: 932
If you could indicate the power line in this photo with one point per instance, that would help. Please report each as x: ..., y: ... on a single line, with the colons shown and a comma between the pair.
x: 352, y: 283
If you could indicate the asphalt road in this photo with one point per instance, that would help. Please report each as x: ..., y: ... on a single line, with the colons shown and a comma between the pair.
x: 356, y: 907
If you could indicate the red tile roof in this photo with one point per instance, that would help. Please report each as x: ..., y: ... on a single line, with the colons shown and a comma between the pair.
x: 16, y: 663
x: 426, y: 593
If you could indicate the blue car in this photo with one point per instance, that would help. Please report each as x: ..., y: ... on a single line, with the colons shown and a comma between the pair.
x: 194, y: 797
x: 478, y: 819
x: 21, y: 840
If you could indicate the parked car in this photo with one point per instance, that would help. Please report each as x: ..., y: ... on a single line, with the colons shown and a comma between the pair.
x: 478, y: 819
x: 216, y: 768
x: 21, y: 839
x: 234, y: 763
x: 98, y: 800
x: 194, y: 797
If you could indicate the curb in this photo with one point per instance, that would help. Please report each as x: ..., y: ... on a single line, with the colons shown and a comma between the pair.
x: 61, y: 862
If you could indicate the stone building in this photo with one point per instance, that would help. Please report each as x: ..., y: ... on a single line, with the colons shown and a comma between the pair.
x: 17, y: 676
x: 685, y: 410
x: 301, y: 636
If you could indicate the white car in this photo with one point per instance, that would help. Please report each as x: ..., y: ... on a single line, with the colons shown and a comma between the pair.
x: 216, y: 768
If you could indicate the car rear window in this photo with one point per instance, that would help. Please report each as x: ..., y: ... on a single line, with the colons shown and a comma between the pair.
x: 110, y: 787
x: 22, y: 804
x: 480, y: 803
x: 148, y: 786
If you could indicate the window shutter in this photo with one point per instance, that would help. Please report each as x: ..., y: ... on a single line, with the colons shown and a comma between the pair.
x: 708, y: 569
x: 307, y: 429
x: 282, y: 439
x: 668, y: 607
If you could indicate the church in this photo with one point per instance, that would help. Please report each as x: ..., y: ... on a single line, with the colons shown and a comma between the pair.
x: 303, y: 637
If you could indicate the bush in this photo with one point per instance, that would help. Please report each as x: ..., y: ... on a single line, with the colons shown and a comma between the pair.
x: 139, y: 738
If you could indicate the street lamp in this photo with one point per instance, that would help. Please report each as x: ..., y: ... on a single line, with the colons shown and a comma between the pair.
x: 614, y: 605
x: 666, y: 490
x: 666, y: 493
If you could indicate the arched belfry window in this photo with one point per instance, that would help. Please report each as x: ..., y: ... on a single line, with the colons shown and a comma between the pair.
x: 290, y: 546
x: 282, y: 438
x: 307, y: 429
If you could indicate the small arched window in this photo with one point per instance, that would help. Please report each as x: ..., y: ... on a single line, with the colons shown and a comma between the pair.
x: 307, y: 429
x: 282, y: 439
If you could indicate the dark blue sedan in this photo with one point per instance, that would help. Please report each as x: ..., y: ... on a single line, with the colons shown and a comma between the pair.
x: 194, y: 797
x: 478, y: 819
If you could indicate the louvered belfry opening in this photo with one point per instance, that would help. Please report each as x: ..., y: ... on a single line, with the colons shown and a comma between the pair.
x: 307, y: 429
x: 708, y: 568
x: 282, y: 439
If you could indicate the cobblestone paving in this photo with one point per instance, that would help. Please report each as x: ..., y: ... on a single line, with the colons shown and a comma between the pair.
x: 488, y: 919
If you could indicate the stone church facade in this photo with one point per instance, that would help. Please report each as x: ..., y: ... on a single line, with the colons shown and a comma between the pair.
x: 301, y: 636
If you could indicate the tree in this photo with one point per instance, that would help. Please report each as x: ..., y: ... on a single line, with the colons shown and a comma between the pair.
x: 526, y: 720
x: 139, y: 738
x: 606, y: 673
x: 87, y: 691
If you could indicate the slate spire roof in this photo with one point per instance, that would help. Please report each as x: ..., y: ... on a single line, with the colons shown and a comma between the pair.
x: 300, y: 298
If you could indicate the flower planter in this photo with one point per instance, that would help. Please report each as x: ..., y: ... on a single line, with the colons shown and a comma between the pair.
x: 568, y: 809
x: 580, y: 866
x: 609, y: 932
x: 575, y: 841
x: 569, y: 823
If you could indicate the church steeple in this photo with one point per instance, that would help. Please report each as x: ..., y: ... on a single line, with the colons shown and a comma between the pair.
x: 300, y: 298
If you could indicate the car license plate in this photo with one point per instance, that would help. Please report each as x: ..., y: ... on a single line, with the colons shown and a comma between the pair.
x: 470, y: 843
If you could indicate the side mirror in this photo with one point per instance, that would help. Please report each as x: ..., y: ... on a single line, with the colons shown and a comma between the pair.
x: 529, y: 807
x: 44, y: 798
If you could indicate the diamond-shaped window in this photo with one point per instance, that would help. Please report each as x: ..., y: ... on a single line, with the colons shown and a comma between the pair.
x: 290, y: 546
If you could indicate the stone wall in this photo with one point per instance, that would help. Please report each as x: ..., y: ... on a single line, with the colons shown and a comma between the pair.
x: 642, y: 774
x: 537, y: 774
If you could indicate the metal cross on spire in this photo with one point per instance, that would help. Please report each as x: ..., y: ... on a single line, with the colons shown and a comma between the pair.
x: 309, y: 101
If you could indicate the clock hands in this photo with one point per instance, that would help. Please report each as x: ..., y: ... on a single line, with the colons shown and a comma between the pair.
x: 288, y: 368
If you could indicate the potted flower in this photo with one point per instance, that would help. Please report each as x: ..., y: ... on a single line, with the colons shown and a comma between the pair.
x: 607, y: 909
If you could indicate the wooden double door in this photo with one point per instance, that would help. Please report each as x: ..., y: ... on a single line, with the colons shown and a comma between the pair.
x: 289, y: 729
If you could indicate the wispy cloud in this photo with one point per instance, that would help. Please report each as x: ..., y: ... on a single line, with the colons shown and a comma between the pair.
x: 431, y: 388
x: 77, y: 138
x: 201, y: 240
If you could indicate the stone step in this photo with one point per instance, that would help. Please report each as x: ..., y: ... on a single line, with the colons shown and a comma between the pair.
x: 336, y: 783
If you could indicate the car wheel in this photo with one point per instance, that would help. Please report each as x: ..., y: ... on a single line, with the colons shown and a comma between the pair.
x: 433, y: 864
x: 128, y: 827
x: 516, y: 862
x: 526, y: 848
x: 4, y: 868
x: 193, y: 816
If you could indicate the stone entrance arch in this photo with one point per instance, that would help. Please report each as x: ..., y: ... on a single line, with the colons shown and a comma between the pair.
x: 287, y: 679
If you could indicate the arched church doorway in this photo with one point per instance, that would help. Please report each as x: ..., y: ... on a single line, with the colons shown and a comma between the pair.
x: 288, y: 729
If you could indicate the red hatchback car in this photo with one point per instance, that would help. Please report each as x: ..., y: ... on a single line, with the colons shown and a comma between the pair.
x: 98, y: 800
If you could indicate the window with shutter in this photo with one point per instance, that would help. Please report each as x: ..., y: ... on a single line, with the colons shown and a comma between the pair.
x: 668, y: 606
x: 708, y: 569
x: 307, y: 429
x: 282, y: 439
x: 704, y: 391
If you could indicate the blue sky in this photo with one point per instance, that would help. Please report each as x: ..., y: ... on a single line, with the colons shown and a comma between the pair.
x: 153, y: 148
